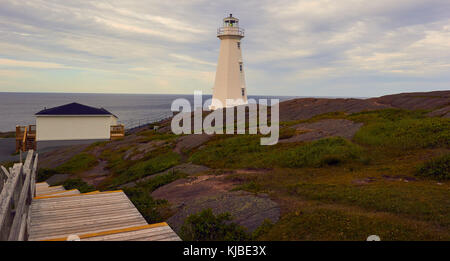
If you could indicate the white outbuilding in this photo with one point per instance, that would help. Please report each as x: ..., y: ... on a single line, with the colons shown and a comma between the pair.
x: 75, y: 121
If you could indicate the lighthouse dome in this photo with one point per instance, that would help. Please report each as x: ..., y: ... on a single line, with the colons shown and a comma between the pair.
x: 230, y: 27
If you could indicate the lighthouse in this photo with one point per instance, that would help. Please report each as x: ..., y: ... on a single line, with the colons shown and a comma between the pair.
x: 230, y: 79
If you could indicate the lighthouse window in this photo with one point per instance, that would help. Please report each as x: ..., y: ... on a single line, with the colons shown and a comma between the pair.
x: 243, y: 91
x: 239, y: 45
x: 240, y: 67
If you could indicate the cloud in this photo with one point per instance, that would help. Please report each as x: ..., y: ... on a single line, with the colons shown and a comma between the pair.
x: 30, y: 64
x: 321, y: 47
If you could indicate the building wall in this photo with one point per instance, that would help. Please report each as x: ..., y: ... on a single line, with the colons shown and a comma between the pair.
x: 73, y: 127
x: 229, y: 80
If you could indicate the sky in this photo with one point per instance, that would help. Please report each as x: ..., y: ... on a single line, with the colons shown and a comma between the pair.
x: 351, y: 48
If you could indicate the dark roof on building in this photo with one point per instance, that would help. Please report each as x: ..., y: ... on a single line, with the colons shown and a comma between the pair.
x: 74, y: 109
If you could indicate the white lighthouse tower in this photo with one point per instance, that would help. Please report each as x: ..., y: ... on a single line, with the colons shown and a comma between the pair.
x: 230, y: 79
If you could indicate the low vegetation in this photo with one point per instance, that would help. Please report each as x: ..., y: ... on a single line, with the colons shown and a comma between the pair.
x: 390, y: 179
x: 436, y: 168
x: 245, y: 152
x: 130, y: 171
x: 152, y: 209
x: 77, y: 183
x: 399, y: 130
x: 206, y: 226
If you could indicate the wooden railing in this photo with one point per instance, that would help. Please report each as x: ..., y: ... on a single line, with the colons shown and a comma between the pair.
x: 117, y: 131
x: 15, y: 199
x: 25, y: 138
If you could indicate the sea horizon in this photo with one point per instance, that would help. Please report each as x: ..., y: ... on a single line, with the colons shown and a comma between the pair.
x: 18, y: 108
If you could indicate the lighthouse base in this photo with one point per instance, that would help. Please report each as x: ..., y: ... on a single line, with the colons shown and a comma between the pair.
x: 217, y: 104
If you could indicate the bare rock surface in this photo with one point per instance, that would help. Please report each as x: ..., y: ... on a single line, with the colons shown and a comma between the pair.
x: 138, y: 152
x: 305, y: 108
x: 246, y: 209
x: 57, y: 179
x: 191, y: 141
x: 442, y: 112
x: 97, y: 174
x: 417, y: 100
x: 186, y: 168
x: 324, y: 128
x: 194, y: 194
x: 54, y: 158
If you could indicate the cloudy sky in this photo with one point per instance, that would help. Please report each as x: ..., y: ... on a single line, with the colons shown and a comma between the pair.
x: 304, y: 48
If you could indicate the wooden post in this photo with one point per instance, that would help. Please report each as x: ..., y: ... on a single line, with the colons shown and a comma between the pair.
x: 16, y: 198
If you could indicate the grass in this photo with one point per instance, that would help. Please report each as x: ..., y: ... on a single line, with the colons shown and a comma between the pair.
x: 402, y: 199
x: 315, y: 183
x: 140, y: 169
x: 153, y: 210
x: 206, y: 226
x: 324, y: 152
x: 79, y: 184
x: 7, y: 164
x: 436, y: 168
x: 155, y: 135
x: 400, y: 130
x: 328, y: 224
x: 244, y: 151
x: 78, y: 163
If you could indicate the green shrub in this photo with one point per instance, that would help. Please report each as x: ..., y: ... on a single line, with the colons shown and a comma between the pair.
x: 205, y: 226
x: 43, y: 174
x: 436, y: 168
x: 228, y: 152
x: 151, y: 166
x: 146, y: 204
x: 142, y: 199
x: 324, y: 152
x: 286, y: 133
x: 263, y: 229
x: 79, y: 184
x: 246, y: 151
x: 7, y: 164
x: 78, y: 163
x: 401, y: 130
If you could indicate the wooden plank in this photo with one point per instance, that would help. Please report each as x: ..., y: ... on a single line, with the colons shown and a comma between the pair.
x: 91, y: 228
x: 119, y: 232
x: 21, y: 206
x: 124, y: 236
x: 79, y: 207
x: 77, y: 199
x: 7, y: 196
x: 28, y: 160
x: 81, y: 220
x: 83, y: 194
x: 82, y: 201
x: 62, y: 192
x: 5, y: 172
x: 70, y: 213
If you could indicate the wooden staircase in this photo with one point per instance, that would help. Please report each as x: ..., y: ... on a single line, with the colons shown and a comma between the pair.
x: 57, y: 213
x: 36, y: 211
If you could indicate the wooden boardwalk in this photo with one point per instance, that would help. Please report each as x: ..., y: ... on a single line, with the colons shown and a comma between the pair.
x: 54, y: 214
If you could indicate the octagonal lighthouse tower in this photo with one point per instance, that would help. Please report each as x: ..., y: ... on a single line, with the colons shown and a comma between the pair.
x: 230, y: 79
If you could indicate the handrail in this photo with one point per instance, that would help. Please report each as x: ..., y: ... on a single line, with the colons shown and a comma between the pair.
x: 227, y: 30
x: 24, y: 139
x: 15, y: 199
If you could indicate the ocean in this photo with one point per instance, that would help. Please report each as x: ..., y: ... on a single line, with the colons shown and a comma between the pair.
x: 132, y: 109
